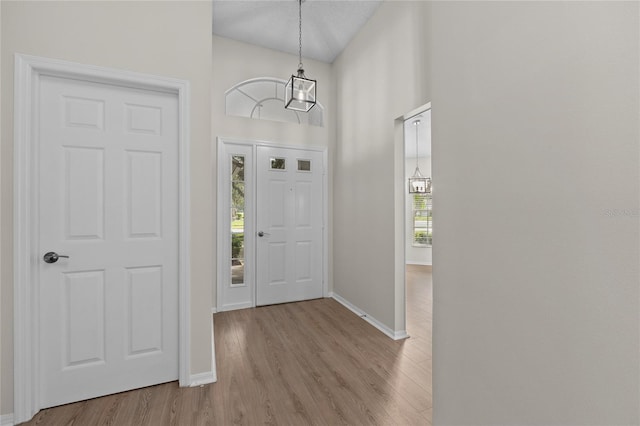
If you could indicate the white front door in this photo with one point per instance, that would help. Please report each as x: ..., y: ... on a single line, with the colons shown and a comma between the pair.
x: 108, y: 178
x: 289, y: 223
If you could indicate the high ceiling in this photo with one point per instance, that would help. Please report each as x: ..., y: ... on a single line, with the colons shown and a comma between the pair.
x: 327, y: 25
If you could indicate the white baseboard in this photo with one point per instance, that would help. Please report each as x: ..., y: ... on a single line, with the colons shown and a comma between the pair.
x: 210, y: 376
x: 395, y: 335
x: 6, y: 419
x: 201, y: 379
x: 236, y: 306
x: 411, y: 262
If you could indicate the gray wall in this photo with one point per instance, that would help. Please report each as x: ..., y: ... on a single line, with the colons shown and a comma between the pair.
x: 382, y: 75
x: 537, y: 104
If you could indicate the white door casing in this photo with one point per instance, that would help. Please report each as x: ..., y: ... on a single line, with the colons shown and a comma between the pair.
x: 134, y: 266
x: 289, y: 249
x: 237, y: 297
x: 108, y: 200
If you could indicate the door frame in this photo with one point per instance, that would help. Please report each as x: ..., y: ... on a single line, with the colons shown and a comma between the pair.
x: 220, y: 207
x: 400, y: 224
x: 28, y: 71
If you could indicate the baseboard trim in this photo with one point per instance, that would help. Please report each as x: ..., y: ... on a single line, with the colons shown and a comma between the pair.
x: 210, y: 376
x: 409, y: 262
x: 395, y: 335
x: 236, y: 306
x: 202, y: 379
x: 6, y: 419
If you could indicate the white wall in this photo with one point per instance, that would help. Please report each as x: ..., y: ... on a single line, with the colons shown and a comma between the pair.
x: 234, y: 62
x: 4, y: 368
x: 538, y: 103
x: 382, y: 75
x: 415, y: 255
x: 163, y: 38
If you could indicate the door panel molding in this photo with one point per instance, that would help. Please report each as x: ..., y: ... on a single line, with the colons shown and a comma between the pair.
x: 290, y: 255
x: 28, y: 72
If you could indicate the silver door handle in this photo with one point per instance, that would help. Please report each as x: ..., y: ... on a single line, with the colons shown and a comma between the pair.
x: 262, y: 234
x: 52, y: 257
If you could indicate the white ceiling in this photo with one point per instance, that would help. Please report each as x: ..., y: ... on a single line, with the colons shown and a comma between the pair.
x: 327, y: 25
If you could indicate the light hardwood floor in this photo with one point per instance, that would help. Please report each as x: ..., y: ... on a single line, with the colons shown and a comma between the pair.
x: 311, y: 362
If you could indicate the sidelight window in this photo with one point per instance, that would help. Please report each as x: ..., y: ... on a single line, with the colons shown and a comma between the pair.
x: 237, y: 219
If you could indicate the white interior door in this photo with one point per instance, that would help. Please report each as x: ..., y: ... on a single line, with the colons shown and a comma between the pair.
x: 108, y: 178
x: 289, y: 223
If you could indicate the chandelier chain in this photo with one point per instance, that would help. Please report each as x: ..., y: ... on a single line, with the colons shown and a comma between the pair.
x: 416, y: 124
x: 299, y: 33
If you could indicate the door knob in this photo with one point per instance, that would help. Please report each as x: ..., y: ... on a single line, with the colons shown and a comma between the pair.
x: 52, y: 257
x: 262, y: 234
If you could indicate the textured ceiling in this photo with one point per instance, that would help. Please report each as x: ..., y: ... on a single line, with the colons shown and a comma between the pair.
x: 327, y: 26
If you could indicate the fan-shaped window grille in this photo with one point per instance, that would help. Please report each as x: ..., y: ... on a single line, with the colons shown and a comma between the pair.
x: 263, y: 98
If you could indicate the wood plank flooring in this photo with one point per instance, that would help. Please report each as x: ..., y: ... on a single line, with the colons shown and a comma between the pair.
x: 306, y: 363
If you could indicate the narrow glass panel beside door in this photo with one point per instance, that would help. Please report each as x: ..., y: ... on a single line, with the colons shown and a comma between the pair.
x: 237, y: 219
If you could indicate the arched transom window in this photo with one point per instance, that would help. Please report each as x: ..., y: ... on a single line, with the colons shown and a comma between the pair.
x: 263, y: 99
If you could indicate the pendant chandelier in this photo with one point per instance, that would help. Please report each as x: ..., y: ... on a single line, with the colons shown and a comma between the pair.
x: 419, y: 184
x: 300, y: 92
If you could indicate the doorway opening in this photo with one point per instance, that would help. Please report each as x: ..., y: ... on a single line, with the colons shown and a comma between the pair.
x: 417, y: 208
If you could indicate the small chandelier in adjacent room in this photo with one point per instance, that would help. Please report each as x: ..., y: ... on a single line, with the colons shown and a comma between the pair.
x: 300, y: 92
x: 419, y: 184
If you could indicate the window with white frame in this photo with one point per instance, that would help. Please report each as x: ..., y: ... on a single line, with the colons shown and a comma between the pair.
x: 237, y: 219
x: 263, y: 99
x: 422, y: 220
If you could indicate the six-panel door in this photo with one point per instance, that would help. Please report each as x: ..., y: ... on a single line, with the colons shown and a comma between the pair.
x: 108, y: 199
x: 289, y: 215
